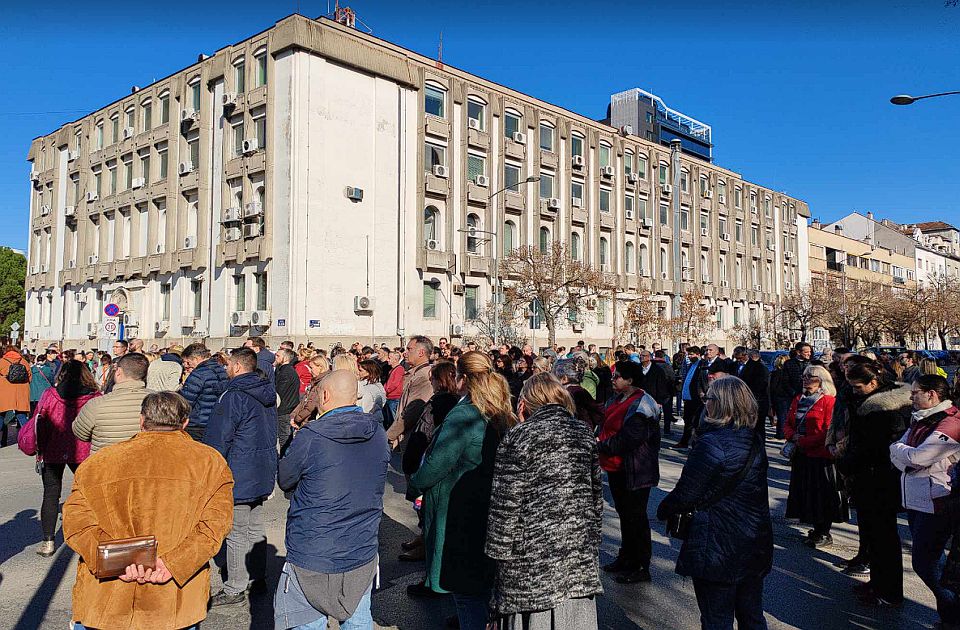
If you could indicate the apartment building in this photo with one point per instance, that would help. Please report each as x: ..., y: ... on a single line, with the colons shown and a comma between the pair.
x: 315, y: 182
x: 937, y: 249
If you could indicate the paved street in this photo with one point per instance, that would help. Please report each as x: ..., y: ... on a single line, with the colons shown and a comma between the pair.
x: 804, y: 590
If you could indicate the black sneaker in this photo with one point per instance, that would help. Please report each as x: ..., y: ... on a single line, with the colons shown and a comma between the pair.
x: 633, y: 577
x: 818, y: 541
x: 617, y: 566
x: 420, y: 589
x: 861, y: 569
x: 222, y: 598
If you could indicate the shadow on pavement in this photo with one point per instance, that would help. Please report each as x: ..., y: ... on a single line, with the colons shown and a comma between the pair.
x: 19, y: 533
x: 37, y: 607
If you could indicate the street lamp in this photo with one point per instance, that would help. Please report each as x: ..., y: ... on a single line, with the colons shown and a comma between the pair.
x: 496, y: 260
x: 906, y: 99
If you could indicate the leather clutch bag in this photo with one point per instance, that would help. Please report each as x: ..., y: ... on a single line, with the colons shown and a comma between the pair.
x: 114, y: 556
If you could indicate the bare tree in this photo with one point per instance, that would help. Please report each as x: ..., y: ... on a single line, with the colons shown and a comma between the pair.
x: 511, y: 324
x: 804, y: 308
x: 942, y: 304
x: 898, y: 314
x: 693, y: 321
x: 858, y: 316
x: 640, y: 317
x: 559, y: 283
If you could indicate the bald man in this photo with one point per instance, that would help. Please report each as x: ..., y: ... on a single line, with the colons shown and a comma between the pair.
x: 336, y: 468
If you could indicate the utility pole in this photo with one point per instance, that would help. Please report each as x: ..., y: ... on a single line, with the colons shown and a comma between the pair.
x: 675, y: 197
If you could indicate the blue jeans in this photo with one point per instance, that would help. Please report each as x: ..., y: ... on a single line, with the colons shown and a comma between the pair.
x: 781, y: 407
x: 472, y: 611
x: 930, y: 535
x: 720, y: 602
x: 290, y: 606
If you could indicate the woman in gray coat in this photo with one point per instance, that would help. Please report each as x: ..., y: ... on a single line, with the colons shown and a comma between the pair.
x: 546, y: 508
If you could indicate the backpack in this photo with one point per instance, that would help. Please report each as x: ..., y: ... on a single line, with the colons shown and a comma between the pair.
x: 17, y: 374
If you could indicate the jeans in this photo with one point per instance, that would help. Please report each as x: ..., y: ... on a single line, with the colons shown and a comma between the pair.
x: 246, y: 548
x: 472, y: 611
x: 52, y: 477
x: 720, y: 602
x: 636, y: 547
x: 781, y: 407
x: 930, y: 535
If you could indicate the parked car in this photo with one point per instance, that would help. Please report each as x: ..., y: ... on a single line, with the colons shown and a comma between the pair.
x: 770, y: 356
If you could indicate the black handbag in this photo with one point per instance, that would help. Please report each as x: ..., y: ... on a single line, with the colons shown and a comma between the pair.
x: 678, y: 524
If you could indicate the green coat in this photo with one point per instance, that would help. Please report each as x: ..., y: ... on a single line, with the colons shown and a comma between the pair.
x: 455, y: 480
x: 590, y: 382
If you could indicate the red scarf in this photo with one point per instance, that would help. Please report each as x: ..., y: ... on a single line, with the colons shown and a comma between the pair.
x: 614, y: 415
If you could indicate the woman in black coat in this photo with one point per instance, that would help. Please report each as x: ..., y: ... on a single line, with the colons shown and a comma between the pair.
x: 878, y: 414
x: 729, y: 546
x: 546, y: 511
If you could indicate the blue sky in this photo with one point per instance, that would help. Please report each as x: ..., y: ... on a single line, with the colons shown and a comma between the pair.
x: 797, y: 92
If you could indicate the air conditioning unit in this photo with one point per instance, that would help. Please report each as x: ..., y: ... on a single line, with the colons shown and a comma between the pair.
x: 458, y: 289
x: 577, y: 161
x: 69, y: 211
x: 92, y: 260
x: 663, y: 275
x: 633, y: 178
x: 724, y: 237
x: 787, y: 255
x: 787, y: 285
x: 44, y: 268
x: 189, y: 242
x: 188, y: 321
x: 577, y: 327
x: 519, y: 137
x: 161, y: 326
x: 604, y: 267
x: 71, y: 264
x: 72, y: 156
x: 592, y: 303
x: 252, y: 230
x: 577, y: 202
x: 439, y: 170
x: 92, y: 196
x: 229, y: 100
x: 704, y: 232
x: 432, y: 244
x: 35, y: 177
x: 128, y: 133
x: 130, y: 320
x: 353, y: 193
x: 250, y: 145
x: 708, y: 194
x: 456, y: 330
x: 159, y: 248
x: 758, y: 287
x: 44, y: 210
x: 722, y: 198
x: 771, y: 247
x: 628, y: 214
x: 473, y: 123
x: 754, y: 210
x: 482, y: 180
x: 93, y: 329
x: 185, y: 167
x: 666, y: 189
x: 553, y: 203
x: 607, y: 171
x: 138, y: 182
x: 189, y: 115
x: 232, y: 234
x: 647, y: 222
x: 239, y: 318
x: 232, y: 214
x: 362, y: 303
x: 260, y: 319
x: 252, y: 209
x: 724, y: 283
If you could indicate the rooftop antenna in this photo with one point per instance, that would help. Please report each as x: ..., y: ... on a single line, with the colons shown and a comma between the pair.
x: 440, y: 52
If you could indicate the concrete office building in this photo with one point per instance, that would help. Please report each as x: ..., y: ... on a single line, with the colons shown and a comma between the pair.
x: 649, y: 117
x: 312, y: 181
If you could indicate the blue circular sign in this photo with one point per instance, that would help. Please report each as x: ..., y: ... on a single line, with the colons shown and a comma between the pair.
x: 111, y: 310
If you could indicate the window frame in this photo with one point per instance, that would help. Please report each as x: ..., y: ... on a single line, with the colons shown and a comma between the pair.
x: 436, y: 89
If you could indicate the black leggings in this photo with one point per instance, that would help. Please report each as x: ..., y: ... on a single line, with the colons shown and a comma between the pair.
x: 52, y: 476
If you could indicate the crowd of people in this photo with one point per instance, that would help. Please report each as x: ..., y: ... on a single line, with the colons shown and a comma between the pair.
x: 503, y: 452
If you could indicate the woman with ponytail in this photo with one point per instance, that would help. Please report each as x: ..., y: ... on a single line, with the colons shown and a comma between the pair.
x: 455, y: 480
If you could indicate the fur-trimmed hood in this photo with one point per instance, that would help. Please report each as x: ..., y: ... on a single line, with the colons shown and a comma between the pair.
x: 891, y: 399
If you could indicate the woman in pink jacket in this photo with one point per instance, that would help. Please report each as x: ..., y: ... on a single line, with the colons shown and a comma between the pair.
x: 49, y: 436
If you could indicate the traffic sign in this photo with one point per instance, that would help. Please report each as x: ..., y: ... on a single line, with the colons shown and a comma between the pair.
x: 111, y: 310
x: 111, y: 327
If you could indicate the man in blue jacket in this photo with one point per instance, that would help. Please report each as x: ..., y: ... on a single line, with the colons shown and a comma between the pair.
x: 243, y: 427
x: 265, y: 358
x: 336, y: 467
x: 202, y: 389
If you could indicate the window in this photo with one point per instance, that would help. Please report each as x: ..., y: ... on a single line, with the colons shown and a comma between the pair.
x: 164, y: 108
x: 429, y: 301
x: 260, y: 128
x: 704, y: 268
x: 166, y: 292
x: 146, y: 116
x: 684, y: 218
x: 145, y: 166
x: 261, y: 60
x: 78, y: 142
x: 604, y: 253
x: 511, y: 177
x: 627, y: 163
x: 664, y: 214
x: 767, y: 207
x: 112, y: 166
x: 130, y: 116
x: 238, y: 138
x: 509, y: 237
x: 738, y: 197
x: 433, y: 100
x: 98, y: 182
x: 723, y: 267
x: 125, y: 236
x: 240, y: 75
x: 719, y: 309
x: 144, y: 221
x: 128, y: 172
x: 684, y: 181
x: 575, y: 246
x: 664, y: 263
x: 642, y: 166
x: 434, y: 155
x: 98, y: 135
x: 240, y: 292
x: 544, y: 240
x: 476, y: 110
x: 197, y: 295
x: 705, y: 222
x: 722, y: 189
x: 261, y: 283
x: 162, y: 158
x: 663, y: 173
x: 576, y: 190
x: 471, y: 308
x: 602, y: 311
x: 739, y: 277
x: 546, y: 185
x: 644, y: 260
x: 473, y: 242
x: 161, y: 226
x: 604, y: 200
x: 431, y: 220
x: 739, y: 229
x: 604, y: 155
x: 753, y: 202
x: 754, y: 235
x: 628, y: 257
x: 737, y: 317
x: 193, y: 150
x: 546, y: 137
x: 576, y: 145
x: 723, y: 225
x: 476, y: 166
x: 628, y: 205
x: 511, y: 123
x: 115, y: 127
x: 642, y: 208
x: 704, y: 186
x: 195, y: 95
